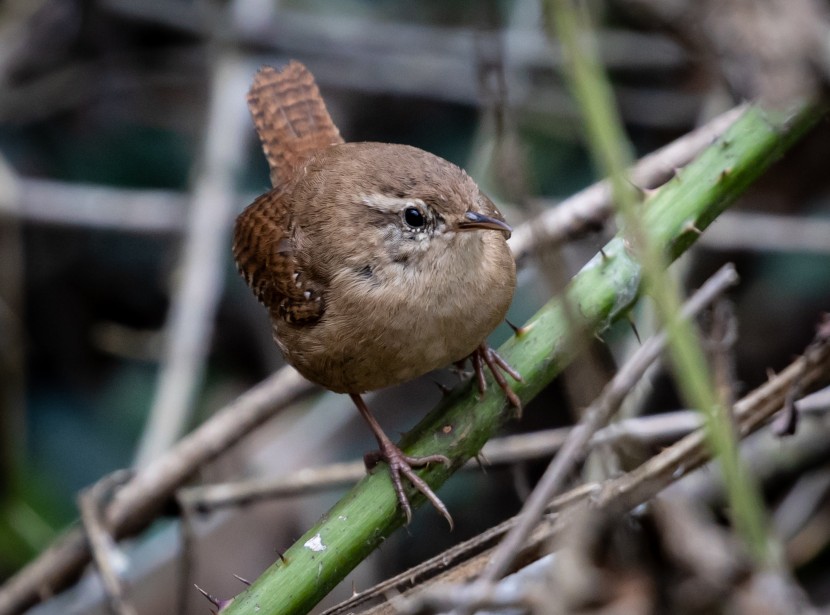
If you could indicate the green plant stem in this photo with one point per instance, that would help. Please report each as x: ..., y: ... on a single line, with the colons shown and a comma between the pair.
x: 459, y: 426
x: 692, y: 374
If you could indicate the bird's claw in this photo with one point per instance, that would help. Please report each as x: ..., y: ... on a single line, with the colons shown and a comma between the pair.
x: 484, y: 355
x: 402, y: 465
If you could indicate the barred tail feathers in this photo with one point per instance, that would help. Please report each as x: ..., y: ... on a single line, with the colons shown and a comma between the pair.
x: 291, y: 118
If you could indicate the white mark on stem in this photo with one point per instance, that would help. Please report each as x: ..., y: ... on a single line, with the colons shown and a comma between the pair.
x: 315, y: 543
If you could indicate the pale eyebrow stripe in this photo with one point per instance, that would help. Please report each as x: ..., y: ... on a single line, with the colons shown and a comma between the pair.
x: 382, y: 202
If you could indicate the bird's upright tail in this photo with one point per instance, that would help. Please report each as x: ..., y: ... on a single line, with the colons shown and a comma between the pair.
x: 291, y: 118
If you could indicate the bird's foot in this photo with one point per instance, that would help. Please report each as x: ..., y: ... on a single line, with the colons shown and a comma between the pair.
x: 402, y: 465
x: 484, y: 355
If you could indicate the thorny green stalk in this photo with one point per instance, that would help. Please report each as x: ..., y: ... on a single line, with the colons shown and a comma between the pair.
x: 611, y: 151
x: 600, y: 293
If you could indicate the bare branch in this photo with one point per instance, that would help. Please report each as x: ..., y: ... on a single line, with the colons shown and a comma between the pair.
x: 190, y: 320
x: 625, y: 492
x: 108, y: 558
x: 590, y: 208
x: 508, y: 450
x: 139, y: 501
x: 594, y: 417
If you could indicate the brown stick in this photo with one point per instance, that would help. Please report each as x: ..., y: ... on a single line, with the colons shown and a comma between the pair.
x: 592, y: 207
x: 138, y: 502
x: 504, y: 451
x: 597, y: 415
x: 104, y: 550
x: 625, y: 492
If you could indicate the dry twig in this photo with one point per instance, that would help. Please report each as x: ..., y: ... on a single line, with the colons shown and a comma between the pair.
x: 597, y: 415
x: 590, y: 208
x: 622, y: 493
x: 140, y: 500
x: 508, y: 450
x: 108, y: 558
x: 190, y: 319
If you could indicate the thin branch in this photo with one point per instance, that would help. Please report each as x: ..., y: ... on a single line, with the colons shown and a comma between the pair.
x: 504, y: 451
x: 675, y: 462
x: 209, y: 498
x: 590, y: 208
x: 594, y: 417
x: 802, y: 502
x: 49, y: 201
x: 108, y: 558
x: 164, y: 211
x: 190, y: 320
x: 815, y: 402
x: 720, y: 336
x: 187, y: 557
x: 762, y: 232
x: 138, y: 502
x: 690, y: 453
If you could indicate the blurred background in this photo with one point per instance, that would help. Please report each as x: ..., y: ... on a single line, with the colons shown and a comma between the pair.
x: 126, y: 151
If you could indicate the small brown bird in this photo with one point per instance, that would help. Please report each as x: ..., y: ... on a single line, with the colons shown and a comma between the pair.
x: 377, y: 262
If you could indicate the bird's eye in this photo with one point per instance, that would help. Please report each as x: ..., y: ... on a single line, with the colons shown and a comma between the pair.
x: 413, y: 217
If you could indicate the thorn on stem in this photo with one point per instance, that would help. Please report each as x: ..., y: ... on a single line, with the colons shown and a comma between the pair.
x: 217, y: 602
x: 634, y: 329
x: 241, y: 580
x: 210, y: 598
x: 690, y: 227
x: 517, y: 330
x: 445, y: 390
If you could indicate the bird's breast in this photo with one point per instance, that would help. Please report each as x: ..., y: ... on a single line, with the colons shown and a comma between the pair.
x: 390, y: 322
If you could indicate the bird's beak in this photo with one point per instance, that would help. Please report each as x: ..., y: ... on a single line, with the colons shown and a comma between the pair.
x: 473, y: 220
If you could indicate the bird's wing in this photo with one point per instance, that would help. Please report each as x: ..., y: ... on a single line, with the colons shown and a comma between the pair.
x: 264, y: 251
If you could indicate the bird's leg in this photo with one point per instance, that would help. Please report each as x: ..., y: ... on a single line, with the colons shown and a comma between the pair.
x: 478, y: 370
x: 484, y: 355
x: 401, y: 464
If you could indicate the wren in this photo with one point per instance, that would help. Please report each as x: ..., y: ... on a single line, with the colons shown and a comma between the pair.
x: 377, y: 262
